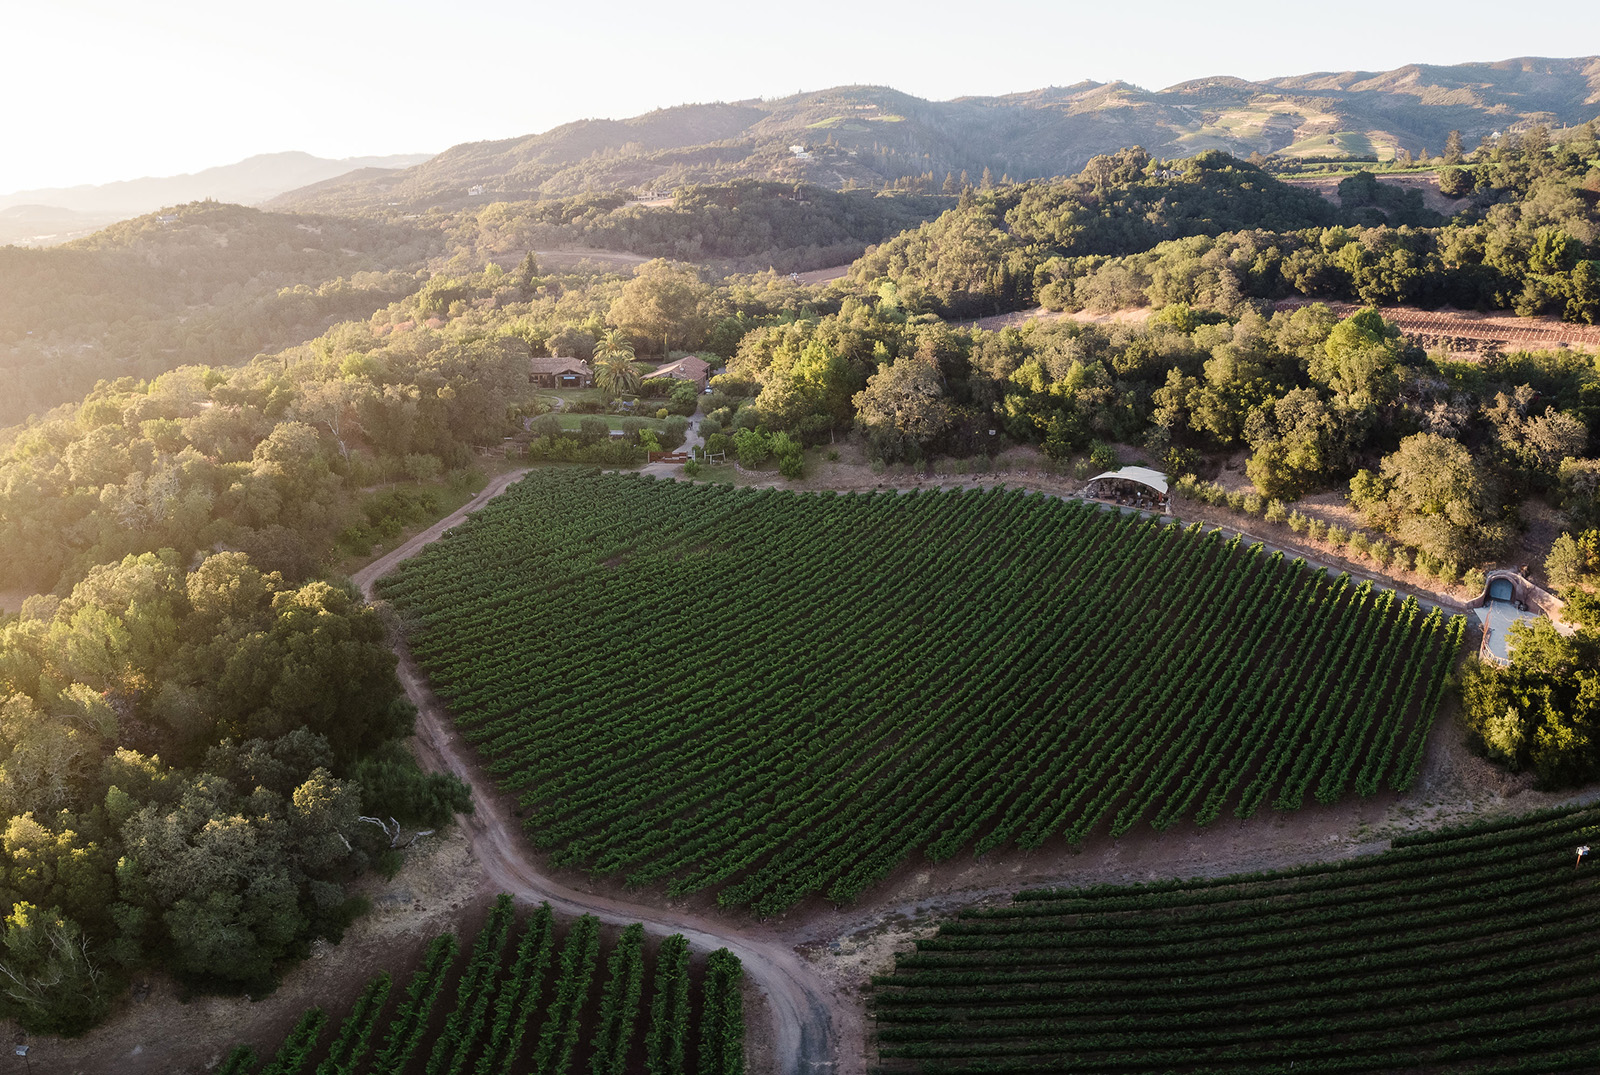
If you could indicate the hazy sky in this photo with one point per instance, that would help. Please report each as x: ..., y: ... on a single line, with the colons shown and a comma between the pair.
x: 96, y: 90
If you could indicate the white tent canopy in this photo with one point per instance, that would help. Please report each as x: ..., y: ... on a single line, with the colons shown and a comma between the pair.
x: 1142, y: 475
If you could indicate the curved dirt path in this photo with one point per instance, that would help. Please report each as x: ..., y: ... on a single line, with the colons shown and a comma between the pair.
x: 804, y: 1032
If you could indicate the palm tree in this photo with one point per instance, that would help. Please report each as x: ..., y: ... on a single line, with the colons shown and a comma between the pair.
x: 614, y: 373
x: 613, y: 342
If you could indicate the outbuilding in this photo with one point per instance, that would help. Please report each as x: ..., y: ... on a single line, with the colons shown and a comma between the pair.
x: 1129, y: 484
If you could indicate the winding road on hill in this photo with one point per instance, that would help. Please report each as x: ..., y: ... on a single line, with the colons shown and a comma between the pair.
x: 806, y: 1018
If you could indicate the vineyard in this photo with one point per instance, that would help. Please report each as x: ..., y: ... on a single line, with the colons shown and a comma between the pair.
x: 777, y: 695
x: 1460, y: 332
x: 522, y: 1001
x: 1469, y: 950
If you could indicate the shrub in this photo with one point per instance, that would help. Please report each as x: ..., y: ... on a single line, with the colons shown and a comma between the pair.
x: 1276, y: 512
x: 1181, y: 461
x: 833, y: 455
x: 1234, y: 501
x: 752, y: 447
x: 572, y: 450
x: 1448, y: 572
x: 1316, y: 529
x: 465, y: 480
x: 1337, y: 536
x: 684, y: 398
x: 1381, y: 552
x: 790, y: 454
x: 673, y: 433
x: 1360, y: 544
x: 594, y: 430
x: 1455, y: 182
x: 1252, y: 503
x: 393, y: 784
x: 1080, y: 469
x: 1102, y: 456
x: 1474, y: 581
x: 692, y: 469
x: 423, y: 468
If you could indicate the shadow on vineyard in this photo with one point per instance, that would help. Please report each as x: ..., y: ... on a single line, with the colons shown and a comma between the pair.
x: 852, y: 679
x: 1464, y: 950
x: 535, y: 996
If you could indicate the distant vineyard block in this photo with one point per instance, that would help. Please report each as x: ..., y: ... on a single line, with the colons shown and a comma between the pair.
x: 1470, y: 950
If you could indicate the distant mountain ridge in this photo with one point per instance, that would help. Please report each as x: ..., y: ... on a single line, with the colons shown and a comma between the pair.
x: 872, y: 136
x: 252, y: 180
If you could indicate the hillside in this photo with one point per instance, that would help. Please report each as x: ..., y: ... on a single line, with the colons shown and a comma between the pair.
x: 873, y: 136
x: 73, y: 210
x: 45, y: 225
x: 204, y: 282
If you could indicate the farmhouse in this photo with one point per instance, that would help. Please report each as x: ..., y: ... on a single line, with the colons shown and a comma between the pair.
x: 691, y: 368
x: 559, y: 373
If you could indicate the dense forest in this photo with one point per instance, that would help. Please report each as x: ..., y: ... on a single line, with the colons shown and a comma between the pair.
x: 195, y: 711
x: 213, y: 284
x: 741, y: 226
x: 1212, y: 230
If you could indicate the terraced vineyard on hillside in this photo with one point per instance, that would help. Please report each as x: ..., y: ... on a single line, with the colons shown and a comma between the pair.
x: 779, y: 695
x: 1469, y: 950
x: 524, y: 1000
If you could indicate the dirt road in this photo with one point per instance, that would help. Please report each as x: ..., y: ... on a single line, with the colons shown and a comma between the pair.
x: 826, y: 276
x: 1018, y: 318
x: 802, y: 1008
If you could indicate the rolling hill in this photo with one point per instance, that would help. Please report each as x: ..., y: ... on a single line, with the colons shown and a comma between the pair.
x: 205, y: 282
x: 872, y: 136
x: 46, y: 216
